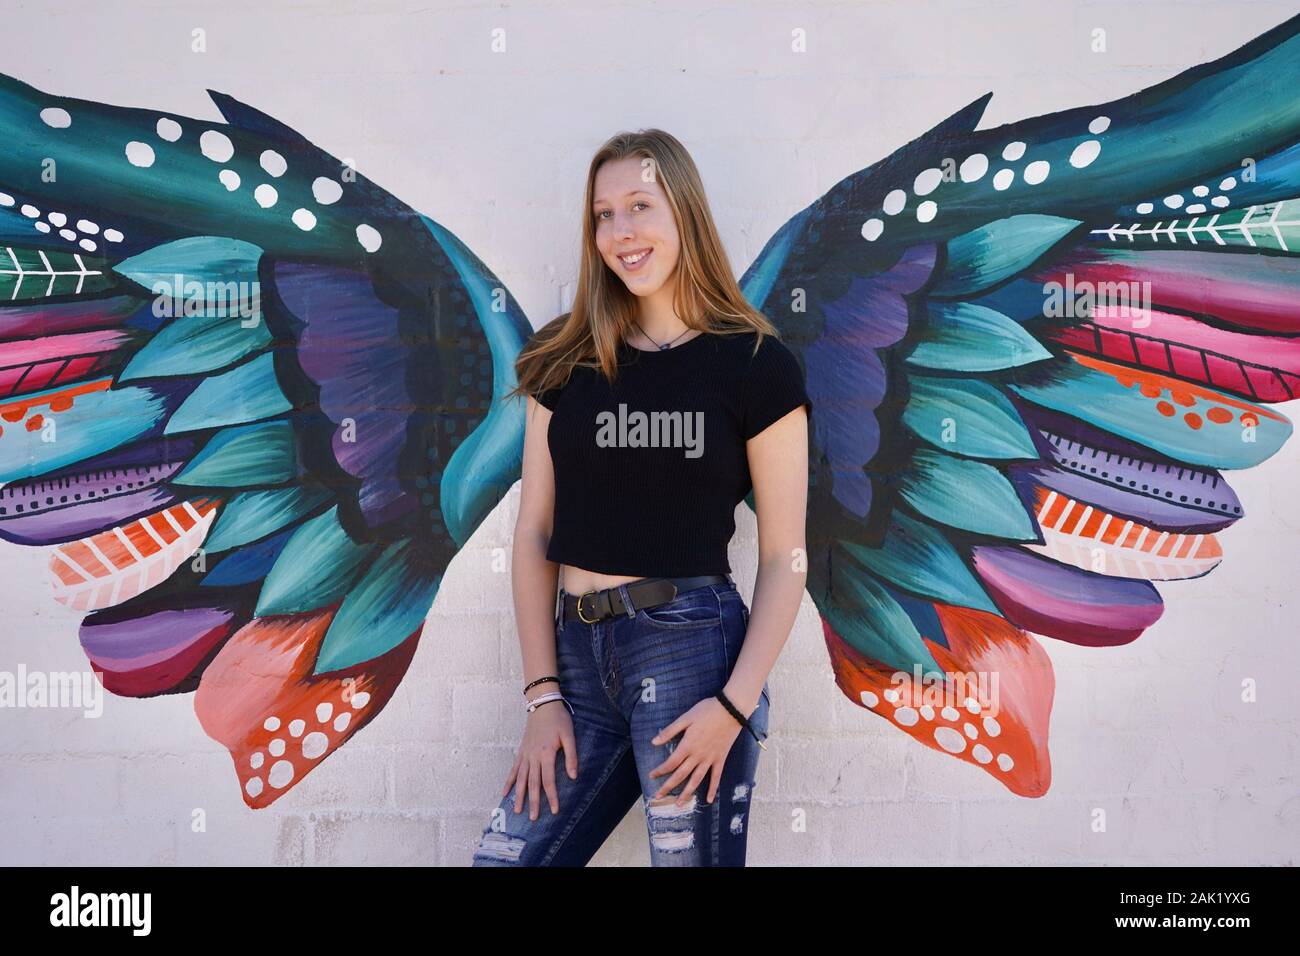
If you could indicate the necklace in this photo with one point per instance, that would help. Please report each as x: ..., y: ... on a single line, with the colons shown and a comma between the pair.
x: 667, y: 345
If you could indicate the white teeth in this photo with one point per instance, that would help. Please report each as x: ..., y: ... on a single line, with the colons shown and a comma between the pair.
x: 633, y: 260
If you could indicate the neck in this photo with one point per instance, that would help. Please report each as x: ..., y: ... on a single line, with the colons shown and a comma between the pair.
x: 657, y: 318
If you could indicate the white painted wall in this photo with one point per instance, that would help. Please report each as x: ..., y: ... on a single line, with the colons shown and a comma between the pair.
x: 494, y: 146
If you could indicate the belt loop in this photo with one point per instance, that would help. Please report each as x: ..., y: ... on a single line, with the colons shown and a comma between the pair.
x: 627, y: 601
x: 559, y: 606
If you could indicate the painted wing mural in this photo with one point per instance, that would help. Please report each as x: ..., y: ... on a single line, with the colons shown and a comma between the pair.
x: 258, y: 504
x: 252, y: 399
x: 1032, y: 351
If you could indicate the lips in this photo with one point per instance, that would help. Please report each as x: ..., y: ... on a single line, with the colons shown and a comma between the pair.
x: 632, y: 261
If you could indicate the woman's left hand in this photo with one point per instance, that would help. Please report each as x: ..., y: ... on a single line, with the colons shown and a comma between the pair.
x: 710, y: 732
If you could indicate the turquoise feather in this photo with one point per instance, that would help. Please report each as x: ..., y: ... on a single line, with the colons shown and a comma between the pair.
x: 247, y: 393
x: 993, y: 252
x: 966, y: 417
x: 1102, y: 400
x: 864, y: 615
x: 487, y: 464
x: 968, y: 495
x: 382, y: 610
x: 961, y: 337
x: 207, y: 264
x: 97, y: 422
x: 244, y: 456
x: 917, y: 558
x: 253, y: 515
x: 316, y: 568
x: 197, y: 343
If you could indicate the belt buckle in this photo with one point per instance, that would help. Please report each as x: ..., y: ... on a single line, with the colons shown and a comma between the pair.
x: 580, y: 616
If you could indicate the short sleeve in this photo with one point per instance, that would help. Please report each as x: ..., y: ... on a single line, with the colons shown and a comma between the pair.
x: 549, y: 398
x: 774, y: 387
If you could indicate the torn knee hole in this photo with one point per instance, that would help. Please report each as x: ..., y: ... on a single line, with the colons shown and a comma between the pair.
x: 500, y: 846
x: 672, y: 828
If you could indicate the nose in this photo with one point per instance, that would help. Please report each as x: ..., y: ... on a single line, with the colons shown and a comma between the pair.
x: 622, y: 225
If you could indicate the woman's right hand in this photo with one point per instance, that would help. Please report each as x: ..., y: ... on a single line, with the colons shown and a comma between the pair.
x: 549, y: 728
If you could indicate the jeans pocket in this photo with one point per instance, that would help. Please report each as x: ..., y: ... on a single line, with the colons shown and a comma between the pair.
x: 684, y: 616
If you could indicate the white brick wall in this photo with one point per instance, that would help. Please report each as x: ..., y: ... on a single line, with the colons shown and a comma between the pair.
x: 495, y: 147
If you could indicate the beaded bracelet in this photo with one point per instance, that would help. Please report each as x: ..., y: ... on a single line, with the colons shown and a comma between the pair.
x: 540, y: 680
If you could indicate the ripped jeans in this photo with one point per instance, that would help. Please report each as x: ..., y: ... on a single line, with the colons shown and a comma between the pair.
x: 626, y: 678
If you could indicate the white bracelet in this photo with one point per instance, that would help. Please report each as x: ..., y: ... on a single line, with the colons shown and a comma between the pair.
x: 533, y: 704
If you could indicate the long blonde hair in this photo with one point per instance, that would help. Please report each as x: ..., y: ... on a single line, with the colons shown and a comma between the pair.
x: 707, y: 296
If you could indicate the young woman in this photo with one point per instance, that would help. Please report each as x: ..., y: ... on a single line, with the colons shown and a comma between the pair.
x: 662, y: 398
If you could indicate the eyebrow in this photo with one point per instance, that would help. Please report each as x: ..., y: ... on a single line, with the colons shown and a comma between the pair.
x: 635, y: 192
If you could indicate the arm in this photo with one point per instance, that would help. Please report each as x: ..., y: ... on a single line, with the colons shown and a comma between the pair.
x: 534, y: 579
x: 778, y: 465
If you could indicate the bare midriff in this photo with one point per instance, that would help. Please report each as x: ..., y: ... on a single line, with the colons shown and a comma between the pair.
x: 580, y: 581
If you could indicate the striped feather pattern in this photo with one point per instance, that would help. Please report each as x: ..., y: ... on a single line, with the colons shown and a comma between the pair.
x: 1265, y: 368
x: 1078, y: 534
x: 35, y: 364
x: 114, y: 566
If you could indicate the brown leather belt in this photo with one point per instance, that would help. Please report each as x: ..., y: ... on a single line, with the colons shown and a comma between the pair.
x: 592, y: 607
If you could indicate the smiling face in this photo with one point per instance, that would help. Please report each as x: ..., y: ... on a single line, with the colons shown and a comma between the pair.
x: 636, y: 234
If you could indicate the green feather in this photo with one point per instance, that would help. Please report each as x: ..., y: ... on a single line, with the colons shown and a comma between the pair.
x: 30, y: 274
x: 253, y: 515
x: 243, y: 457
x: 961, y: 337
x: 247, y: 393
x: 966, y: 417
x: 869, y: 620
x: 987, y: 255
x: 968, y: 495
x: 316, y: 568
x: 917, y: 558
x: 382, y: 610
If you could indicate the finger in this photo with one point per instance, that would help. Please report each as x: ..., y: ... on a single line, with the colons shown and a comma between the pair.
x: 713, y: 783
x: 534, y: 788
x: 670, y: 763
x: 668, y: 733
x: 570, y: 754
x: 694, y: 783
x: 510, y: 777
x: 521, y: 780
x: 548, y: 782
x: 682, y: 773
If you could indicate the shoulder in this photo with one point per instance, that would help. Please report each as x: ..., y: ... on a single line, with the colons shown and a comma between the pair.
x: 770, y: 357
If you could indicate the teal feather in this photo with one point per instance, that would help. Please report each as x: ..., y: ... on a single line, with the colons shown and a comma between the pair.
x: 966, y: 417
x: 197, y: 343
x: 864, y: 615
x: 487, y: 464
x: 29, y: 275
x: 97, y: 422
x: 916, y: 557
x: 315, y: 569
x: 987, y: 255
x: 252, y: 515
x: 382, y: 610
x: 968, y: 495
x: 1102, y: 400
x: 247, y: 393
x: 244, y: 456
x: 204, y: 264
x: 961, y: 337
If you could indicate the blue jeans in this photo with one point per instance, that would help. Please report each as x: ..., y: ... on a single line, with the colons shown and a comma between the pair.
x: 626, y: 678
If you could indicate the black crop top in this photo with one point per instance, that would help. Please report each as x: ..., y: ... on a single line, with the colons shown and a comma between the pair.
x: 648, y: 473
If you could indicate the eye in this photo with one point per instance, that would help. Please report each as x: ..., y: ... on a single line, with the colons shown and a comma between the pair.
x: 641, y: 202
